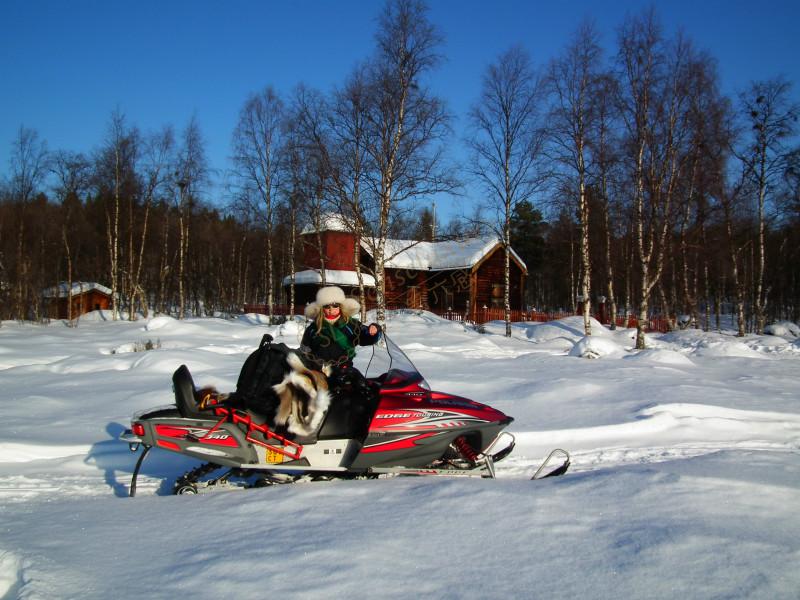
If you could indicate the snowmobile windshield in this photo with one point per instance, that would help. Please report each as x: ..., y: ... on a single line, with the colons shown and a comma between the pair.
x: 391, y: 364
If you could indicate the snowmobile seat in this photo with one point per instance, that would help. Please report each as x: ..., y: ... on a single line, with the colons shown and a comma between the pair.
x: 185, y: 399
x: 339, y: 422
x: 349, y: 414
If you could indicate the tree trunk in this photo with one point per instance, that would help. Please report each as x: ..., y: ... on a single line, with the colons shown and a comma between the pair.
x: 586, y: 266
x: 380, y: 283
x: 643, y: 258
x: 270, y: 274
x: 507, y: 285
x: 760, y: 294
x: 161, y: 301
x: 114, y: 241
x: 136, y: 269
x: 611, y: 302
x: 292, y: 260
x: 69, y: 273
x: 184, y: 244
x: 737, y: 285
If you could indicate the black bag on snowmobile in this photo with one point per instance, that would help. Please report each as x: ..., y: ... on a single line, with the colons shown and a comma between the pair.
x: 264, y: 368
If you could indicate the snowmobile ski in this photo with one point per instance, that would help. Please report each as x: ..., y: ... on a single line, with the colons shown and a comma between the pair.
x: 541, y: 473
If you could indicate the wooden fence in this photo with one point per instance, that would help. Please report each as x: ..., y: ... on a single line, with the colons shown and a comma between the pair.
x: 484, y: 315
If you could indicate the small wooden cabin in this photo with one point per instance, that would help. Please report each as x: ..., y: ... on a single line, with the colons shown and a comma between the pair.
x: 459, y: 275
x: 84, y: 297
x: 462, y: 276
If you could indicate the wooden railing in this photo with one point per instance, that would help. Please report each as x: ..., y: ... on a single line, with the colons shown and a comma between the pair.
x: 484, y: 315
x: 277, y: 309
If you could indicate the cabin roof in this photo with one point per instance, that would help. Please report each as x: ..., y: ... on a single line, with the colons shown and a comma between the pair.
x: 62, y: 290
x: 332, y: 277
x: 439, y: 256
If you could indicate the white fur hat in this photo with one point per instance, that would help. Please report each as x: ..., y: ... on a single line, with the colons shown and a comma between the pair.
x: 332, y: 295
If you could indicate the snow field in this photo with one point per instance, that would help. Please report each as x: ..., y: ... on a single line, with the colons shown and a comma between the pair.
x: 685, y: 478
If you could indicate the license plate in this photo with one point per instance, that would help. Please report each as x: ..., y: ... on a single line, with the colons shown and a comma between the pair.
x: 274, y: 457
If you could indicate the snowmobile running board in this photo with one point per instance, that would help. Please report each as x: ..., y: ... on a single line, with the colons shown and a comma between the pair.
x: 482, y: 471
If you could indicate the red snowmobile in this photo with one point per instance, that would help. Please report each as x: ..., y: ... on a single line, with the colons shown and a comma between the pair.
x: 387, y: 425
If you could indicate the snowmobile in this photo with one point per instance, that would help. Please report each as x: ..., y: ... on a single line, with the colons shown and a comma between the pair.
x: 392, y: 424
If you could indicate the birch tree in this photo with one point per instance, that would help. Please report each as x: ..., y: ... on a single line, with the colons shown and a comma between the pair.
x: 772, y: 120
x: 341, y: 143
x: 257, y: 141
x: 349, y: 162
x: 406, y: 122
x: 72, y: 173
x: 506, y: 141
x: 707, y: 153
x: 730, y: 198
x: 116, y: 181
x: 604, y: 144
x: 157, y: 157
x: 190, y: 178
x: 313, y: 144
x: 294, y: 201
x: 28, y: 168
x: 305, y: 145
x: 573, y: 82
x: 653, y: 106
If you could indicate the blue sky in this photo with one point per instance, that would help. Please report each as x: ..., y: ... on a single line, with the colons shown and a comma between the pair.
x: 65, y: 65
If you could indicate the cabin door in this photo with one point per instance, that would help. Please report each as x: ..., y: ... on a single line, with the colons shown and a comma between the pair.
x: 413, y: 297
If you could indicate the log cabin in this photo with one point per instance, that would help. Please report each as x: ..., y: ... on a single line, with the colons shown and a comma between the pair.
x: 84, y: 297
x: 463, y: 276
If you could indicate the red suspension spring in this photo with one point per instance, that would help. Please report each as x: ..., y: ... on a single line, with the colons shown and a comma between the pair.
x: 466, y: 450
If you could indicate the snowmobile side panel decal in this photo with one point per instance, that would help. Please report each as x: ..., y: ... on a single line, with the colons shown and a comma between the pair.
x: 199, y: 434
x: 402, y: 443
x: 168, y: 445
x: 207, y: 451
x: 426, y: 420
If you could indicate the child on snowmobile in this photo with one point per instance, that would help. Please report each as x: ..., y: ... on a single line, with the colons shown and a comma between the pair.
x: 333, y: 334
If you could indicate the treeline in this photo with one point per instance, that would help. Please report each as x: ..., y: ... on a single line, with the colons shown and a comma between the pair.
x: 624, y: 177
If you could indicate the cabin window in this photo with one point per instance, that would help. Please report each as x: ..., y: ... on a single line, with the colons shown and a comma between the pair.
x: 497, y: 294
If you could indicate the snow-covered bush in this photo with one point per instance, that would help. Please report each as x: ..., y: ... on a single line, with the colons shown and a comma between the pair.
x: 592, y: 346
x: 783, y: 329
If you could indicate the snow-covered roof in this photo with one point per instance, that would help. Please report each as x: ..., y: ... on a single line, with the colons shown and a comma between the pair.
x: 329, y: 222
x: 332, y: 277
x: 428, y: 256
x: 438, y: 256
x: 78, y: 287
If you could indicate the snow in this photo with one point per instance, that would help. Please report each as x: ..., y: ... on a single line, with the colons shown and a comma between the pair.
x: 332, y: 277
x: 438, y: 256
x: 329, y: 221
x: 160, y: 323
x: 596, y: 347
x: 685, y: 479
x: 783, y: 328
